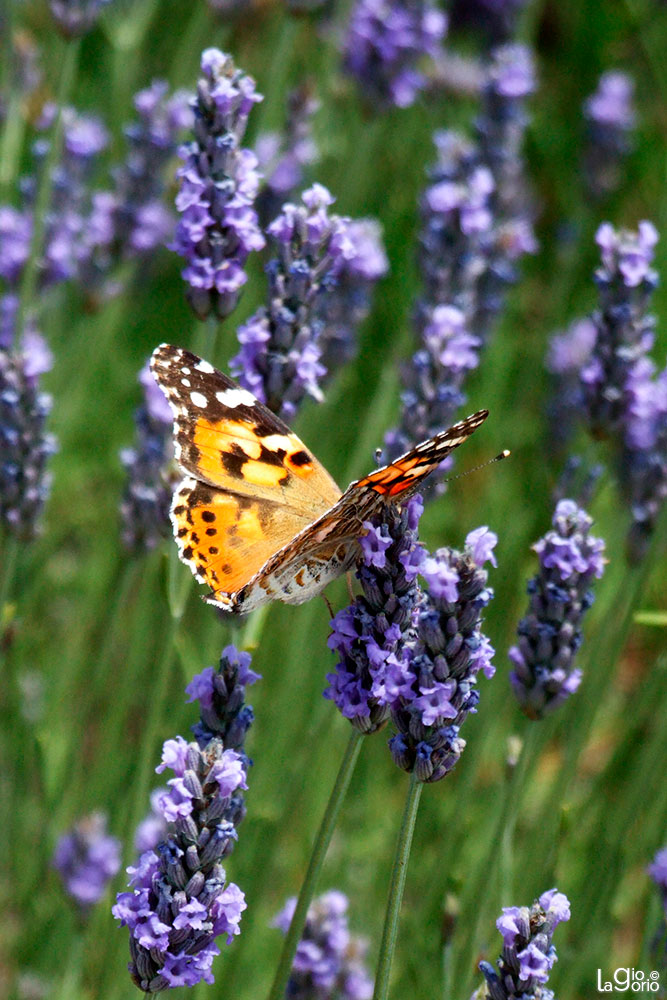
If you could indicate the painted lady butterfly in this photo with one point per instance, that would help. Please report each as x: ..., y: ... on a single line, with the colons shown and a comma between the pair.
x: 257, y: 517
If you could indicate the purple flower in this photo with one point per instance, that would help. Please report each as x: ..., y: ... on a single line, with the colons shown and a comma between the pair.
x: 26, y: 447
x: 610, y: 120
x: 281, y: 344
x: 386, y: 39
x: 179, y: 902
x: 329, y: 960
x: 15, y: 235
x: 528, y: 953
x: 76, y: 17
x: 87, y: 858
x: 150, y: 475
x: 153, y: 828
x: 544, y: 674
x: 369, y: 635
x: 218, y: 228
x: 443, y: 659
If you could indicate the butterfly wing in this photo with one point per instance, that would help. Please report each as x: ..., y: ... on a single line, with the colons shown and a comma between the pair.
x: 252, y: 485
x: 403, y: 477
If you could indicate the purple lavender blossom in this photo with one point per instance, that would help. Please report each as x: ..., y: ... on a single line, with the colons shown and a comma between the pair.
x: 218, y: 228
x: 26, y: 447
x: 87, y: 858
x: 147, y: 496
x: 528, y: 953
x: 152, y: 830
x: 282, y: 343
x: 284, y: 157
x: 15, y: 235
x: 658, y: 872
x: 329, y: 961
x: 434, y: 689
x: 544, y: 674
x: 611, y: 120
x: 386, y: 40
x: 623, y: 397
x: 370, y: 635
x: 179, y: 901
x: 76, y: 17
x: 132, y: 219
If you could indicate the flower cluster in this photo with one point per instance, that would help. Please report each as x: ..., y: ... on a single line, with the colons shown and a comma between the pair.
x: 330, y: 961
x: 280, y: 360
x: 131, y: 219
x: 610, y: 119
x: 528, y: 954
x: 26, y: 447
x: 179, y: 900
x: 459, y: 294
x: 435, y: 690
x: 386, y: 40
x: 544, y: 674
x: 413, y: 654
x: 284, y: 156
x: 76, y: 17
x: 87, y: 858
x: 370, y: 635
x: 145, y: 505
x: 500, y: 130
x: 218, y: 227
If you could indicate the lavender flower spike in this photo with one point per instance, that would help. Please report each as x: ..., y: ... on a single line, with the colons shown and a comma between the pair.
x: 434, y: 689
x: 218, y: 228
x: 528, y: 954
x: 179, y: 901
x: 370, y: 635
x: 279, y: 360
x: 544, y: 674
x: 611, y: 119
x: 76, y: 17
x: 26, y: 447
x: 87, y: 858
x: 150, y: 479
x: 329, y: 960
x: 386, y: 39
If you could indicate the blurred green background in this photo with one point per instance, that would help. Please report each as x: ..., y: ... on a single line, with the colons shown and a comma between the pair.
x: 92, y: 625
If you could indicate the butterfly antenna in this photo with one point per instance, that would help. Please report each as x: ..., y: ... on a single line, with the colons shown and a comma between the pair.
x: 497, y: 458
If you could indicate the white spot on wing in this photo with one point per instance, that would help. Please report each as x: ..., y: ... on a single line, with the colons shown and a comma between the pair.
x: 198, y: 399
x: 235, y: 397
x: 204, y: 366
x: 186, y: 382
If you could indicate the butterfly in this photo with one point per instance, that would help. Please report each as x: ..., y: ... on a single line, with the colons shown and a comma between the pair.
x: 257, y: 517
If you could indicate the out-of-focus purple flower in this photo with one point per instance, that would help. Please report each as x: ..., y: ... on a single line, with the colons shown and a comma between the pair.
x: 145, y: 505
x: 153, y: 828
x: 329, y: 960
x: 281, y: 344
x: 611, y: 120
x: 15, y: 235
x: 369, y: 636
x: 76, y: 17
x: 25, y: 446
x: 658, y: 872
x: 179, y: 901
x: 218, y: 228
x: 87, y: 858
x: 528, y: 953
x: 385, y: 43
x: 437, y: 684
x: 284, y: 157
x: 544, y: 674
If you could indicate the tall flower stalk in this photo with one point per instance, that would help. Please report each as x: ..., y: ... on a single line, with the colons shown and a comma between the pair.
x: 180, y: 901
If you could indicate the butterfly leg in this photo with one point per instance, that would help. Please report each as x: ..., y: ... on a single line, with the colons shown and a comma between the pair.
x: 328, y: 604
x: 348, y: 577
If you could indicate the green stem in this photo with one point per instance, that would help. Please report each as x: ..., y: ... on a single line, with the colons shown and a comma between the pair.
x: 320, y: 847
x: 501, y: 844
x: 10, y: 552
x: 396, y: 887
x: 30, y: 272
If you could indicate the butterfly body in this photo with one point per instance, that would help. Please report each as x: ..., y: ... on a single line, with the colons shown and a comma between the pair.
x: 257, y: 517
